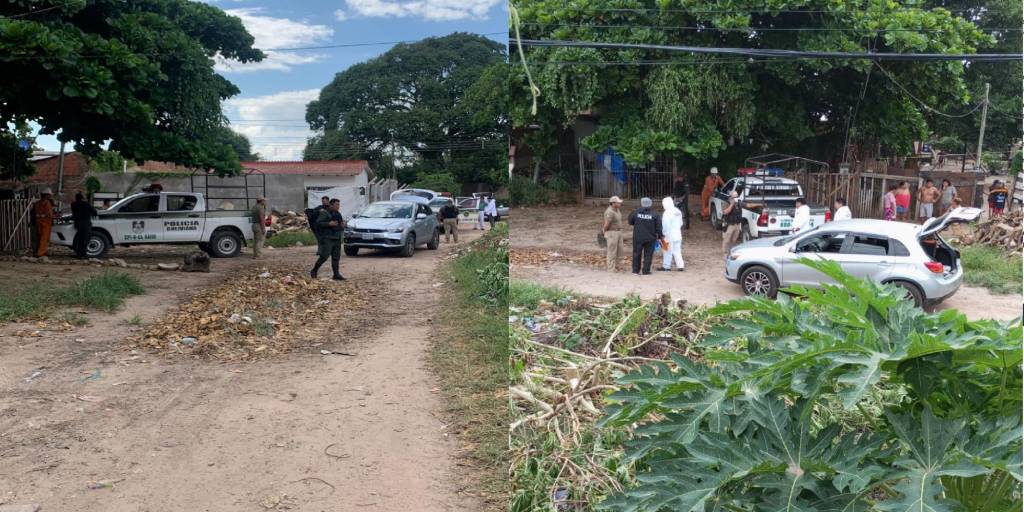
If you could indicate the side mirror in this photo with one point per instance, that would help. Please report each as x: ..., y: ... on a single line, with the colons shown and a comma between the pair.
x: 421, y: 215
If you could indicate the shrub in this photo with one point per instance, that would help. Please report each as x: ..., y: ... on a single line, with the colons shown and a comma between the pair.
x: 737, y: 434
x: 438, y: 182
x: 524, y: 192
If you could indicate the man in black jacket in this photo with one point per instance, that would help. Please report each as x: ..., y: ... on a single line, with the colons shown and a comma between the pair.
x: 450, y: 221
x: 646, y: 232
x: 312, y: 214
x: 81, y: 214
x: 330, y: 225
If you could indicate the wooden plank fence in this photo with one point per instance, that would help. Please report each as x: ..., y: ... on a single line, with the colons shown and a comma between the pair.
x: 14, y: 225
x: 865, y: 191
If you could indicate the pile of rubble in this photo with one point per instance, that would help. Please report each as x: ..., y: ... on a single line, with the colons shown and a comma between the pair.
x: 283, y: 222
x: 112, y: 262
x: 533, y: 257
x: 1000, y: 231
x: 257, y: 315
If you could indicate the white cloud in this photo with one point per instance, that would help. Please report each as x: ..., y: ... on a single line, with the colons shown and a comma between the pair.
x: 271, y: 32
x: 273, y: 122
x: 430, y: 10
x: 340, y: 15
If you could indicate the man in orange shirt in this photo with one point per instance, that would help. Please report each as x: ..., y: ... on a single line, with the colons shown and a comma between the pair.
x: 43, y: 210
x: 712, y: 181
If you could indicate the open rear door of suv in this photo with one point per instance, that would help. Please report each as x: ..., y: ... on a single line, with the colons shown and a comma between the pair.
x: 937, y: 249
x: 957, y: 216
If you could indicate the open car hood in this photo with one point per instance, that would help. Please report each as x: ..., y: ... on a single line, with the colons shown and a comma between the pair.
x: 937, y: 224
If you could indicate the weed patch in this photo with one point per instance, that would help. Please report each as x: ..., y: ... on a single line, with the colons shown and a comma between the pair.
x: 991, y: 268
x: 105, y: 292
x: 288, y: 239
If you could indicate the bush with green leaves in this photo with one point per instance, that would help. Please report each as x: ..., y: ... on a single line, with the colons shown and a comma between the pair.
x: 737, y: 433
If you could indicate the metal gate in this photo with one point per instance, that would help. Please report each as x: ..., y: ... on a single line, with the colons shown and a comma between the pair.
x: 14, y: 225
x: 629, y: 184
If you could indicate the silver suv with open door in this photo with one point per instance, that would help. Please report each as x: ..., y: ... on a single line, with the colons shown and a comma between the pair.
x: 908, y: 255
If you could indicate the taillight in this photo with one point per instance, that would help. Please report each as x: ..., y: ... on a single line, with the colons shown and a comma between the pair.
x: 762, y: 220
x: 828, y: 216
x: 935, y: 267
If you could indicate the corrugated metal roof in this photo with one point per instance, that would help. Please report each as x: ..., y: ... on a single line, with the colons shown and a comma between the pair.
x: 314, y: 167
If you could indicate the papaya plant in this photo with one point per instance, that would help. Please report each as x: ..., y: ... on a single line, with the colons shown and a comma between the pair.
x: 735, y: 433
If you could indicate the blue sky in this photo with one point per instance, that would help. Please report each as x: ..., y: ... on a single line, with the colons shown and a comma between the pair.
x: 271, y: 106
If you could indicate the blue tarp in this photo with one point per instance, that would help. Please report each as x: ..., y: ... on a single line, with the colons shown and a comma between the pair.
x: 615, y: 163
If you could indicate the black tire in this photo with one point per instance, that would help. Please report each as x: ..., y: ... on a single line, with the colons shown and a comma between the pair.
x: 351, y: 250
x: 410, y: 246
x: 913, y: 292
x: 759, y: 281
x: 225, y: 244
x: 435, y: 241
x: 716, y: 221
x: 98, y: 245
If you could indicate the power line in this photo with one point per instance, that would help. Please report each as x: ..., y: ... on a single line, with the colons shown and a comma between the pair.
x: 773, y: 53
x: 755, y: 29
x: 922, y: 103
x: 351, y: 45
x: 742, y: 11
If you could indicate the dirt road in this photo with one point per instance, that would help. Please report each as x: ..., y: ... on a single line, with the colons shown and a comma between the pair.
x: 543, y: 238
x: 301, y: 431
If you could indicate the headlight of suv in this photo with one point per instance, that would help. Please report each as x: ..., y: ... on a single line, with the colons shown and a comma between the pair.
x: 396, y: 230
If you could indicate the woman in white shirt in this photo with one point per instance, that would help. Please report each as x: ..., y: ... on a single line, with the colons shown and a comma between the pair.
x: 842, y: 211
x: 802, y: 217
x: 672, y: 229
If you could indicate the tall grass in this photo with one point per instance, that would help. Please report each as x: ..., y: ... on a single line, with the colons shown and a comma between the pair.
x: 470, y: 356
x: 288, y: 239
x: 992, y: 268
x: 105, y: 292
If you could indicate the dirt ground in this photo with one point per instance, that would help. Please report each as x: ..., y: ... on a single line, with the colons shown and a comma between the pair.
x: 557, y: 246
x: 87, y: 424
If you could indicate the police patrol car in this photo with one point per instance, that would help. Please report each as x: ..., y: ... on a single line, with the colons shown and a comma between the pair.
x: 163, y: 218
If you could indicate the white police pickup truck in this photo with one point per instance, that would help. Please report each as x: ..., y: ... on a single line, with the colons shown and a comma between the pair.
x: 164, y: 218
x: 778, y: 199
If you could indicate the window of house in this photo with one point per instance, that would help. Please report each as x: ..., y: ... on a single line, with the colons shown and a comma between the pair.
x: 142, y: 205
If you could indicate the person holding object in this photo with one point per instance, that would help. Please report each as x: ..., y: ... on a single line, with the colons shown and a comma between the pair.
x: 43, y: 213
x: 330, y: 224
x: 946, y: 195
x: 259, y: 226
x: 733, y: 219
x: 312, y: 214
x: 997, y: 197
x: 927, y: 196
x: 491, y: 211
x: 612, y: 230
x: 711, y: 182
x: 646, y: 232
x: 842, y: 212
x: 672, y: 230
x: 81, y: 214
x: 450, y: 219
x: 802, y: 217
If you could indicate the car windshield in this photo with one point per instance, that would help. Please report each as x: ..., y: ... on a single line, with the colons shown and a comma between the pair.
x: 387, y: 211
x: 437, y: 203
x: 787, y: 239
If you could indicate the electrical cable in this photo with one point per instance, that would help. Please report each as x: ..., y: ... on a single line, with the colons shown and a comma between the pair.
x: 756, y: 29
x: 922, y: 103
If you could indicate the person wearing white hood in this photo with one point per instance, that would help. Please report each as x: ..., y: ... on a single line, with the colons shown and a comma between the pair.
x: 672, y: 227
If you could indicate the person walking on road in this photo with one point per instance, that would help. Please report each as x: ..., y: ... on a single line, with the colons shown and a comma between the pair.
x: 711, y: 182
x: 842, y: 212
x: 43, y: 213
x: 450, y: 216
x: 491, y: 211
x: 733, y: 218
x: 330, y: 225
x: 672, y: 230
x: 312, y: 214
x: 802, y: 217
x: 681, y: 191
x: 612, y: 230
x: 646, y: 232
x: 947, y: 193
x: 259, y: 226
x: 81, y: 215
x: 926, y: 199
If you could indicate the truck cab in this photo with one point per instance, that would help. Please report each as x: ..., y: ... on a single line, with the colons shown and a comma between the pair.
x: 775, y: 198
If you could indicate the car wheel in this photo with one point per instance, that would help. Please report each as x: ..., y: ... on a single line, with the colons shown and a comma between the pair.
x: 912, y: 292
x: 435, y: 241
x: 351, y: 251
x: 410, y: 246
x: 225, y: 244
x: 759, y: 281
x: 97, y: 246
x: 716, y: 222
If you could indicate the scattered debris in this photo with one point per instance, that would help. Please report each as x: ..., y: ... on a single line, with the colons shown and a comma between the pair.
x: 288, y: 221
x: 20, y: 508
x: 105, y: 484
x: 188, y: 340
x: 95, y: 375
x: 196, y: 261
x: 90, y: 398
x: 329, y: 352
x: 530, y: 257
x: 32, y: 377
x: 1004, y: 231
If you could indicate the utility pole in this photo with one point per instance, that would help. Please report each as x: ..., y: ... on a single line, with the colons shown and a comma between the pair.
x: 60, y: 177
x: 981, y: 132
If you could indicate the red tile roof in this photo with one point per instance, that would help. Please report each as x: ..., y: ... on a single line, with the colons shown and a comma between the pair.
x: 314, y: 167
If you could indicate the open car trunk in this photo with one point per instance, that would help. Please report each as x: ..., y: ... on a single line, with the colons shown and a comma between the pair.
x: 935, y: 246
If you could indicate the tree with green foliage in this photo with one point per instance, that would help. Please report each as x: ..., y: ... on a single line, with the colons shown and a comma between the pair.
x: 705, y: 108
x: 407, y: 106
x: 107, y: 161
x: 238, y: 142
x: 137, y: 73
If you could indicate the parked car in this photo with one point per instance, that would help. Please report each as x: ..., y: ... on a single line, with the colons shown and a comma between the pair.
x: 913, y: 257
x: 429, y: 195
x: 468, y: 207
x: 399, y: 225
x: 164, y: 218
x: 775, y: 218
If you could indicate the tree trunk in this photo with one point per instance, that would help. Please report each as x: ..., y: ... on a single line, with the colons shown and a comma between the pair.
x: 536, y: 171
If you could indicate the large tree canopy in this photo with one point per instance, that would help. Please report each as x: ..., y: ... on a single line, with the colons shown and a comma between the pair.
x: 708, y: 107
x: 411, y: 104
x: 136, y: 73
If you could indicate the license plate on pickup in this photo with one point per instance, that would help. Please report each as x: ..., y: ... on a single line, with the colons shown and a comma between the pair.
x: 786, y: 224
x: 367, y: 236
